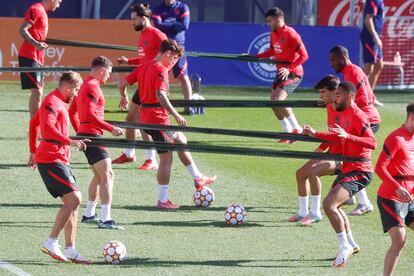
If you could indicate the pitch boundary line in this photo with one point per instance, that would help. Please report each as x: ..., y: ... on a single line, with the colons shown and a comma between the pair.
x: 13, y: 269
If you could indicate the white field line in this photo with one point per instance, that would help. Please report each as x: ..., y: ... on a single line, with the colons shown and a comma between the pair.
x: 13, y: 269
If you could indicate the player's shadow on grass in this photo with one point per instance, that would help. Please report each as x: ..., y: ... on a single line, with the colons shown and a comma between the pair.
x: 149, y: 262
x: 25, y: 224
x: 21, y: 262
x: 13, y: 138
x: 12, y: 166
x: 30, y: 205
x: 196, y: 223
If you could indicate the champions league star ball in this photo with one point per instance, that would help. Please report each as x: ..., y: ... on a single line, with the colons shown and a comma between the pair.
x: 235, y: 215
x: 114, y: 252
x: 203, y: 197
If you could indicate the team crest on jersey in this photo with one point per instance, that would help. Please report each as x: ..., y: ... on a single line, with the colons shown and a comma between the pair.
x: 145, y: 43
x: 263, y: 71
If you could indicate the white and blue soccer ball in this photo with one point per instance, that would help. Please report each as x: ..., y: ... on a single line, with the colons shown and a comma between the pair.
x: 203, y: 197
x: 114, y: 252
x: 235, y: 215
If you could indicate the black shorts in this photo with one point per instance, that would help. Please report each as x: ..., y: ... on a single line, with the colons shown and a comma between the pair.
x: 94, y: 154
x: 394, y: 213
x: 288, y: 85
x: 353, y: 181
x: 58, y: 178
x: 30, y: 80
x: 135, y: 98
x: 166, y: 136
x: 374, y: 127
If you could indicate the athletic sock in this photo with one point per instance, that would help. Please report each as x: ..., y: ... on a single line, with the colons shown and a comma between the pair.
x: 286, y: 125
x: 193, y: 170
x: 351, y: 239
x: 316, y: 205
x: 151, y: 153
x: 363, y: 198
x: 70, y: 252
x: 129, y: 152
x: 303, y: 206
x: 51, y: 242
x: 105, y: 212
x: 163, y: 193
x: 90, y: 208
x: 293, y: 122
x: 343, y: 239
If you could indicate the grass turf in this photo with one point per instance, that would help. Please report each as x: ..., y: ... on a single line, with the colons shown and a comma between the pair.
x: 191, y: 240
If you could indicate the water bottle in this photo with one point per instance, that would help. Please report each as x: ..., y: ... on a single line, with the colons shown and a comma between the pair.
x: 397, y: 57
x: 196, y: 85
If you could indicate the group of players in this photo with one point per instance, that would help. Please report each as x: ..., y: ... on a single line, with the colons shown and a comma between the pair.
x: 352, y: 122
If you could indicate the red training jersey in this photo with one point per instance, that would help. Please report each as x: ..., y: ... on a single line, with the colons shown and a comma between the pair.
x: 151, y: 77
x: 360, y: 141
x: 149, y: 42
x: 36, y: 15
x: 333, y: 118
x: 89, y: 109
x: 286, y: 45
x: 396, y: 159
x: 364, y: 97
x: 53, y: 119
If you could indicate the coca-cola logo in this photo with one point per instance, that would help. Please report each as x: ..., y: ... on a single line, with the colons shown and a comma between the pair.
x: 399, y: 22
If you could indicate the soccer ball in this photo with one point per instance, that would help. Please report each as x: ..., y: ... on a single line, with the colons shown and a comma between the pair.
x: 203, y: 197
x: 235, y: 215
x: 114, y: 252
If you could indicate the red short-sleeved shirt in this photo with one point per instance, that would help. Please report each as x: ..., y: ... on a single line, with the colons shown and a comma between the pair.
x: 151, y: 77
x: 149, y: 43
x: 36, y: 15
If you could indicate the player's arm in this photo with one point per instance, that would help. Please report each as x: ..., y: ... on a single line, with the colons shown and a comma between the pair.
x: 369, y: 24
x: 130, y: 79
x: 361, y: 96
x: 297, y: 44
x: 29, y: 21
x: 33, y: 135
x: 388, y: 152
x: 73, y: 115
x: 365, y: 137
x: 165, y: 103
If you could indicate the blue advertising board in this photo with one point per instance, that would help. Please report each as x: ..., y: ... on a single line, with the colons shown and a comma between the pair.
x: 254, y: 38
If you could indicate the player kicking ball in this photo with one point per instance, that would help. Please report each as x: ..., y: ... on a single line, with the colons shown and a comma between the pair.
x: 51, y: 157
x: 152, y: 79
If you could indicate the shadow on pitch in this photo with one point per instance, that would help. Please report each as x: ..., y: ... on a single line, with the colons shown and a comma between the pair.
x: 13, y: 138
x: 12, y: 166
x: 149, y: 262
x: 15, y: 110
x: 196, y: 223
x: 30, y: 205
x: 25, y: 224
x: 21, y: 262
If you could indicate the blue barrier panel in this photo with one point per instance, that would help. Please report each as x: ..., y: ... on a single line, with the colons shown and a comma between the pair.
x: 253, y: 38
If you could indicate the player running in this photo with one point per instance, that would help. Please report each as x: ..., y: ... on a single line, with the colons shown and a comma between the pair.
x: 52, y: 157
x: 364, y: 99
x: 88, y: 109
x: 308, y: 175
x: 31, y: 53
x: 395, y: 195
x: 152, y: 79
x: 285, y: 45
x: 149, y: 42
x: 357, y: 139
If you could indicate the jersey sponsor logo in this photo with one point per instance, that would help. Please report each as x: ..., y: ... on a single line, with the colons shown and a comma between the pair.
x: 141, y: 52
x: 263, y: 71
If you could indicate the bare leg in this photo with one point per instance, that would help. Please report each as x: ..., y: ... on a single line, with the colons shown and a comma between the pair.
x: 373, y: 77
x: 186, y: 87
x: 132, y: 117
x: 71, y: 202
x: 398, y: 240
x: 106, y: 175
x: 185, y: 156
x: 70, y: 229
x: 280, y: 95
x: 319, y: 168
x: 164, y: 170
x: 35, y: 100
x: 335, y: 198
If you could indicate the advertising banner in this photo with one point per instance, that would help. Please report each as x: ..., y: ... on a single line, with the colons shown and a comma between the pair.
x: 216, y: 38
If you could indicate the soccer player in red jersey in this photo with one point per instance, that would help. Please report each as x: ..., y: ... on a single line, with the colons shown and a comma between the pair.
x: 357, y: 139
x: 308, y: 175
x: 34, y: 31
x: 285, y: 45
x: 152, y: 79
x: 88, y: 110
x: 149, y: 42
x: 52, y: 156
x: 364, y: 99
x: 395, y: 167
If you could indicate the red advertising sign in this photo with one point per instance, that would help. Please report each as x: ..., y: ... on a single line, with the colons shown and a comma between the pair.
x: 397, y: 36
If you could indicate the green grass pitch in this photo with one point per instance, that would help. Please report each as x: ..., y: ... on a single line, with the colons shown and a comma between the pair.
x: 191, y: 241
